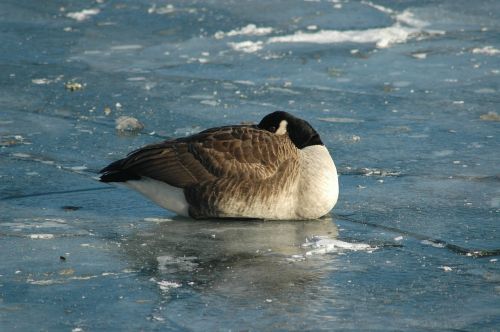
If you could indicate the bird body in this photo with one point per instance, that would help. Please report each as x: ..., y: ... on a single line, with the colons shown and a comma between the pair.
x: 278, y: 169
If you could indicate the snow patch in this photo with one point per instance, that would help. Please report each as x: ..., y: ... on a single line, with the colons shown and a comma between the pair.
x: 47, y: 282
x: 83, y: 15
x: 382, y: 37
x: 126, y: 47
x: 165, y: 285
x: 136, y: 78
x: 210, y: 102
x: 157, y: 220
x: 41, y: 236
x: 244, y: 82
x: 378, y: 7
x: 406, y: 27
x: 78, y: 168
x: 249, y: 30
x: 168, y: 9
x: 408, y: 18
x: 325, y: 245
x: 377, y: 172
x: 432, y: 243
x: 486, y: 50
x: 40, y: 81
x: 420, y: 55
x: 247, y: 46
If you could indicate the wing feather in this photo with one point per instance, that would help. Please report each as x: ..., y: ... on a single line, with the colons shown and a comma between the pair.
x: 237, y: 151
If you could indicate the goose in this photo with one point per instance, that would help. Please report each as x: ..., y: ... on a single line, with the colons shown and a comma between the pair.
x: 276, y: 170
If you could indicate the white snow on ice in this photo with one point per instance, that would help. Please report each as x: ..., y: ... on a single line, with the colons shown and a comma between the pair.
x: 249, y: 30
x: 325, y: 245
x: 42, y: 236
x: 406, y: 27
x: 168, y: 9
x: 83, y: 15
x: 130, y: 47
x: 166, y: 285
x: 247, y: 46
x: 486, y: 50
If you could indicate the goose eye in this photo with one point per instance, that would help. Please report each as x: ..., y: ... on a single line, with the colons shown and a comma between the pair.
x: 272, y: 129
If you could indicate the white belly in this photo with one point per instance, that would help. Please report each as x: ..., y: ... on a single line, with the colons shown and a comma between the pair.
x: 165, y: 195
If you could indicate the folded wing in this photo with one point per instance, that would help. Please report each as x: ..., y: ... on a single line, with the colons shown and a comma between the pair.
x: 236, y: 151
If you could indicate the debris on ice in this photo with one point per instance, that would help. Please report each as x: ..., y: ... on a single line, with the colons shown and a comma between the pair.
x: 73, y: 86
x: 490, y: 116
x: 128, y: 123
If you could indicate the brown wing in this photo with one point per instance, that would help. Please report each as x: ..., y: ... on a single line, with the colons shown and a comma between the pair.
x: 240, y: 151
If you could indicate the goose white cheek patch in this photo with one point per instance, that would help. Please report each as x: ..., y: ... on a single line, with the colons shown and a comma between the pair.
x: 282, y: 128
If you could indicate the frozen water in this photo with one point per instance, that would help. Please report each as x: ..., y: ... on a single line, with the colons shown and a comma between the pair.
x: 404, y: 93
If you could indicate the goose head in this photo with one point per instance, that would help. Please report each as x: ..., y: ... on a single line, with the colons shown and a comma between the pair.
x: 300, y: 132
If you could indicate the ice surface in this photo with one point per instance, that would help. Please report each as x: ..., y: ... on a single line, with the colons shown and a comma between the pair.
x: 405, y: 95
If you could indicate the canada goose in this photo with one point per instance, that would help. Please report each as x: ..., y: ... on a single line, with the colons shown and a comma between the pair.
x: 278, y: 169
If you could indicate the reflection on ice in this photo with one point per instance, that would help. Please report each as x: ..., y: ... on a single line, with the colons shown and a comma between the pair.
x: 207, y: 239
x: 234, y: 253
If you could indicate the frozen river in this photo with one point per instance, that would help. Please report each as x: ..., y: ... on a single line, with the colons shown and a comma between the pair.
x: 405, y: 94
